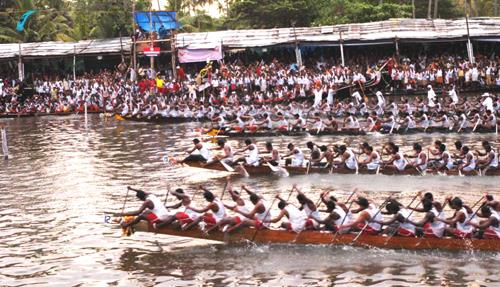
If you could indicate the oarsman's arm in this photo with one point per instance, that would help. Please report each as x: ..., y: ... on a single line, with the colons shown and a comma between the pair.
x: 134, y: 189
x: 278, y: 218
x: 330, y: 217
x: 202, y: 210
x: 459, y: 216
x: 174, y: 206
x: 485, y: 223
x: 429, y: 216
x: 232, y: 207
x: 249, y: 191
x: 243, y: 149
x: 395, y: 218
x: 362, y: 218
x: 250, y: 214
x: 146, y: 204
x: 289, y: 154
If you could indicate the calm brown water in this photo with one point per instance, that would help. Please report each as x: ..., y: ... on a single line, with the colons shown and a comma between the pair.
x: 61, y: 178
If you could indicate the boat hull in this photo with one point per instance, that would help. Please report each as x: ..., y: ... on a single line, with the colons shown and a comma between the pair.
x: 269, y: 236
x: 265, y: 170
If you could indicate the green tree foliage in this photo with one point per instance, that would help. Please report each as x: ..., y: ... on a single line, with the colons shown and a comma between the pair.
x: 446, y: 9
x: 271, y: 13
x: 68, y: 20
x: 352, y: 11
x: 51, y: 22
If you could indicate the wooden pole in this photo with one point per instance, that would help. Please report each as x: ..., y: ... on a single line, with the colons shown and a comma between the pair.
x: 429, y: 10
x: 151, y: 59
x: 20, y: 67
x: 413, y: 8
x: 396, y: 42
x: 74, y: 63
x: 342, y: 49
x: 172, y: 50
x: 436, y: 4
x: 470, y: 51
x: 134, y: 52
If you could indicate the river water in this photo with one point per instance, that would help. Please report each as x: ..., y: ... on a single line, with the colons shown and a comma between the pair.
x: 62, y: 177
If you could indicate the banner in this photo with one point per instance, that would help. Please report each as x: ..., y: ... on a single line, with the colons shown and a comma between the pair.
x: 23, y: 19
x: 187, y: 55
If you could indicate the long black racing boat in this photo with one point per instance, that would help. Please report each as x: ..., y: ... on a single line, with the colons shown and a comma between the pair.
x: 159, y: 119
x: 402, y: 131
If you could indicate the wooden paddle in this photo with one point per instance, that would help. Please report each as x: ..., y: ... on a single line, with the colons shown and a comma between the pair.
x: 272, y: 167
x: 226, y: 166
x: 166, y: 196
x: 125, y: 201
x: 371, y: 220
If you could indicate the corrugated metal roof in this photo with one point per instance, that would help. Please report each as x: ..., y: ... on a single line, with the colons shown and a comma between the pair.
x: 48, y: 49
x: 404, y: 29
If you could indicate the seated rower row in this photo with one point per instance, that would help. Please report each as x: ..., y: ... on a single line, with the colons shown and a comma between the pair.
x: 338, y: 217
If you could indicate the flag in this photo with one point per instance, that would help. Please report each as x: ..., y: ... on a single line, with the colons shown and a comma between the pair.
x: 23, y: 19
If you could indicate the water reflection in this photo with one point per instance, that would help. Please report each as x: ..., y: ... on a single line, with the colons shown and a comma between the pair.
x: 61, y: 178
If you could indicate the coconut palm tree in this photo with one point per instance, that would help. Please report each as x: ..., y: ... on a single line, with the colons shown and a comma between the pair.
x: 50, y: 23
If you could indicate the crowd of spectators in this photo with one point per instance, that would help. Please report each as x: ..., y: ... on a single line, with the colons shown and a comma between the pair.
x: 255, y: 82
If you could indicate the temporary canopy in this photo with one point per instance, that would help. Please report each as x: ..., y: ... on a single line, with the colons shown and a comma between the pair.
x: 154, y: 21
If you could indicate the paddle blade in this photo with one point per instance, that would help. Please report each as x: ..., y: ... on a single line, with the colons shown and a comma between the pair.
x: 119, y: 118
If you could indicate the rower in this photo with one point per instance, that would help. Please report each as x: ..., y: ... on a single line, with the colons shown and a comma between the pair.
x: 203, y: 154
x: 227, y: 155
x: 327, y: 154
x: 317, y: 124
x: 490, y: 162
x: 461, y: 219
x: 296, y: 218
x: 337, y: 214
x: 298, y: 156
x: 373, y: 159
x: 309, y: 208
x: 445, y: 162
x: 252, y: 159
x: 409, y: 122
x: 470, y: 160
x: 402, y: 227
x: 397, y: 159
x: 152, y: 209
x: 430, y: 226
x: 274, y: 159
x: 241, y: 204
x: 330, y: 124
x: 315, y: 153
x: 489, y: 227
x: 219, y: 119
x: 368, y: 214
x: 348, y: 158
x: 390, y: 123
x: 300, y: 123
x: 489, y: 120
x: 373, y: 122
x: 491, y: 202
x: 182, y: 217
x: 351, y: 123
x: 420, y: 161
x: 257, y: 217
x: 214, y: 212
x: 267, y: 123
